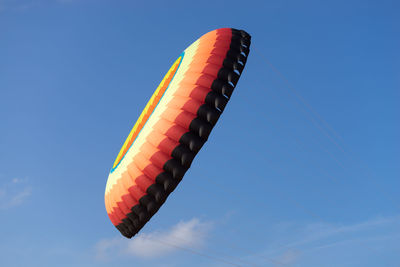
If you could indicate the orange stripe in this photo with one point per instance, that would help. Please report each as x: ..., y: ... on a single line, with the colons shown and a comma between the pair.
x: 162, y: 142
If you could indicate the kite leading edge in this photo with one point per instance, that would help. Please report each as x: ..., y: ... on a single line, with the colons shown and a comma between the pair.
x: 173, y: 127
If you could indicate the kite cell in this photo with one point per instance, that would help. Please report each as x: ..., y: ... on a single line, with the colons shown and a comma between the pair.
x: 173, y: 127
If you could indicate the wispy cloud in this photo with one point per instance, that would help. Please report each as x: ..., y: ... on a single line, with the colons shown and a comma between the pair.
x: 288, y: 257
x: 18, y: 5
x: 321, y: 231
x: 21, y: 5
x: 190, y: 233
x: 14, y: 193
x: 304, y: 240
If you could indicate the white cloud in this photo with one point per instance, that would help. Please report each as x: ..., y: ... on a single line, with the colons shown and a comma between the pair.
x: 19, y: 197
x: 184, y: 234
x: 288, y: 257
x: 190, y: 233
x: 14, y: 193
x: 17, y: 180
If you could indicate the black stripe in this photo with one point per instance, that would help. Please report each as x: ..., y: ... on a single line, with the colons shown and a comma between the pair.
x: 183, y: 154
x: 216, y: 100
x: 208, y: 113
x: 167, y: 181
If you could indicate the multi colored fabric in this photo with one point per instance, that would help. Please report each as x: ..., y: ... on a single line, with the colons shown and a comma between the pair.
x: 173, y: 127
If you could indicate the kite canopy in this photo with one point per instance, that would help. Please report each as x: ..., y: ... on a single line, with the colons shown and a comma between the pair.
x: 173, y: 127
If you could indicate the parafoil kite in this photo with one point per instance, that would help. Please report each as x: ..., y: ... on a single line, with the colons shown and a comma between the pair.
x: 173, y: 126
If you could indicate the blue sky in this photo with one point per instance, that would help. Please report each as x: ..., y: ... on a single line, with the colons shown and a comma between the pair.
x: 301, y: 170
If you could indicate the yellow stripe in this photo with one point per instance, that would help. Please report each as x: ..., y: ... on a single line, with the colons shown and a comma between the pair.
x: 147, y: 111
